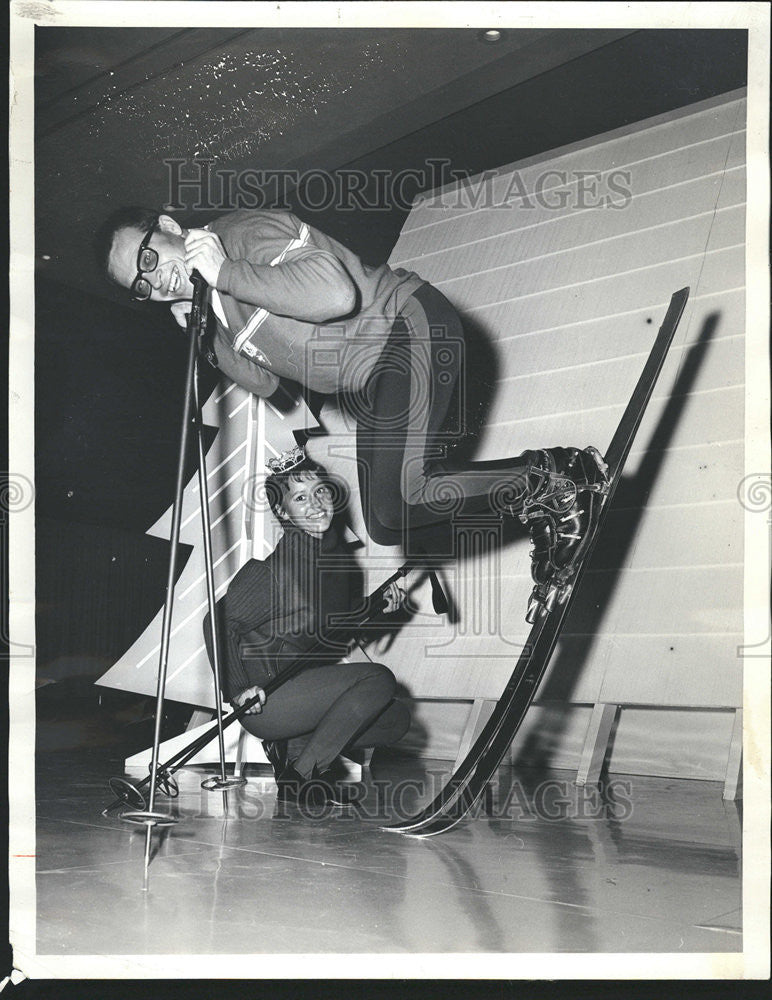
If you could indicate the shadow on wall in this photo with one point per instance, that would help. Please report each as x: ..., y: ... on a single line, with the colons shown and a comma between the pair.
x: 588, y: 610
x: 418, y: 735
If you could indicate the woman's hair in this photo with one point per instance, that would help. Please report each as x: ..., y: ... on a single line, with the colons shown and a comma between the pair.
x: 277, y: 485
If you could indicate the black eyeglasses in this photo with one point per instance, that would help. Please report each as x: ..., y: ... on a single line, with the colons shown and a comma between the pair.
x: 147, y: 262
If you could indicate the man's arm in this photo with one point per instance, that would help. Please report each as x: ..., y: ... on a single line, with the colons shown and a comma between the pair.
x: 310, y: 284
x: 315, y: 288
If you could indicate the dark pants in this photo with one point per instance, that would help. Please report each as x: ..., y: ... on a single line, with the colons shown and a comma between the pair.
x: 404, y: 482
x: 325, y: 709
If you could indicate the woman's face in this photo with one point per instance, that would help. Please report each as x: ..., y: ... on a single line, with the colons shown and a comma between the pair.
x: 308, y: 504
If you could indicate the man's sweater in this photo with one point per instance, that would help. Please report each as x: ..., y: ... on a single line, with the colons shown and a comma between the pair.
x: 281, y: 292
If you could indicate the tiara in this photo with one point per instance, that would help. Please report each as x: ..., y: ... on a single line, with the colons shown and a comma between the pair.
x: 287, y: 460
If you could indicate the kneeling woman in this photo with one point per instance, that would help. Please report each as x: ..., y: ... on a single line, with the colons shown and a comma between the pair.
x: 275, y: 612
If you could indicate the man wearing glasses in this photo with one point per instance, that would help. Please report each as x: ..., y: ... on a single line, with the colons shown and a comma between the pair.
x: 291, y: 302
x: 276, y: 287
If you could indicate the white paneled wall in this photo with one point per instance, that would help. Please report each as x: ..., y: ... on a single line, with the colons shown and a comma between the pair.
x: 570, y: 295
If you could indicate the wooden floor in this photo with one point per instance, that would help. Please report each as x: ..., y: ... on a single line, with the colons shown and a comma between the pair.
x: 651, y: 866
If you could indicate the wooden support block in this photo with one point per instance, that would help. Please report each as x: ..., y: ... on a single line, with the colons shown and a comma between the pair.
x: 596, y: 743
x: 238, y: 764
x: 733, y: 779
x: 361, y: 756
x: 354, y: 762
x: 481, y: 711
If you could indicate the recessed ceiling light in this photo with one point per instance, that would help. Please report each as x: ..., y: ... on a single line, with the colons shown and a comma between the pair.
x: 490, y: 35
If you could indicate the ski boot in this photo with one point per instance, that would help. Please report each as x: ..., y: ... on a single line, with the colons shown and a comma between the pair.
x: 565, y: 490
x: 319, y: 791
x: 276, y: 752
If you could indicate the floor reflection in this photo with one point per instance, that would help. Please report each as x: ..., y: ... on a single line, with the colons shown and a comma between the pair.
x: 643, y: 864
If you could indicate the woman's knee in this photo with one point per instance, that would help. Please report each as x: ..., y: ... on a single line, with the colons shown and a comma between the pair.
x: 254, y: 725
x: 380, y: 678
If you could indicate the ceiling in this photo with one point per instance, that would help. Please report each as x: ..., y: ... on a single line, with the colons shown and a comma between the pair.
x: 114, y: 105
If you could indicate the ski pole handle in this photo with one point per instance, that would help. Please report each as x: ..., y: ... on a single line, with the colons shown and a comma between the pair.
x: 197, y: 319
x: 197, y: 314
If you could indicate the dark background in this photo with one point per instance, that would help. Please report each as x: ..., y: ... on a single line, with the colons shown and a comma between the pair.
x: 109, y: 375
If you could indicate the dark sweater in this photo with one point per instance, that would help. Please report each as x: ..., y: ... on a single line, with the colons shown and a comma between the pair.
x: 275, y: 610
x: 300, y: 305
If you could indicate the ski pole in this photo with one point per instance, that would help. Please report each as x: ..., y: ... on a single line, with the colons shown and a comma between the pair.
x: 163, y: 772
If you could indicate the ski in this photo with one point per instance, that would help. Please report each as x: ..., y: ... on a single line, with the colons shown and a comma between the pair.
x: 468, y: 783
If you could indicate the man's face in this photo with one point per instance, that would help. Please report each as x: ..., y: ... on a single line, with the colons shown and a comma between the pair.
x: 170, y: 281
x: 308, y: 504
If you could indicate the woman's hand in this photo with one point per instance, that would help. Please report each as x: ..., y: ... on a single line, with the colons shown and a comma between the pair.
x: 394, y: 597
x: 245, y: 696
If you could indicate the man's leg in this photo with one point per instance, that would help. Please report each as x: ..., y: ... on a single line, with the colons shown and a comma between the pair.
x: 406, y: 485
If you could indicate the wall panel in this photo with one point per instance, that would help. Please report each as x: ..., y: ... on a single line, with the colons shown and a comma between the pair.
x: 568, y: 300
x: 647, y: 210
